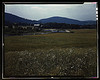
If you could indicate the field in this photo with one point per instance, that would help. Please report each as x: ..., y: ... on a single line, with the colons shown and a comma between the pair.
x: 54, y: 54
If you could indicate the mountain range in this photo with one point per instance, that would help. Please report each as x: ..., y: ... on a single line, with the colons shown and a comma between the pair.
x: 16, y: 19
x: 58, y: 19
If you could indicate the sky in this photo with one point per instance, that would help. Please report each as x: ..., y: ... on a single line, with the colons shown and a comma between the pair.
x: 80, y: 12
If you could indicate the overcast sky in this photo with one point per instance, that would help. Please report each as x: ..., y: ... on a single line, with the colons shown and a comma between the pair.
x: 80, y: 12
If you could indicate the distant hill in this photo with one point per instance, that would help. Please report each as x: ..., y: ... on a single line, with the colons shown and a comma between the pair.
x: 10, y: 18
x: 58, y: 19
x: 16, y: 19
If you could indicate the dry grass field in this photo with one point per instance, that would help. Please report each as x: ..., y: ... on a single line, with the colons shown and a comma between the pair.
x: 54, y: 54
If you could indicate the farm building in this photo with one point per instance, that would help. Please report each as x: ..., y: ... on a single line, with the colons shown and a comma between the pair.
x: 6, y: 26
x: 34, y: 26
x: 67, y: 31
x: 56, y: 30
x: 37, y: 25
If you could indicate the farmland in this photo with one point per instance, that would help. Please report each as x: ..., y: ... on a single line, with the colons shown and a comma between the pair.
x: 54, y: 54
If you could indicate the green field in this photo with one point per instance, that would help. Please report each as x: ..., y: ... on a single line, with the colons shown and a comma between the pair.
x: 54, y: 54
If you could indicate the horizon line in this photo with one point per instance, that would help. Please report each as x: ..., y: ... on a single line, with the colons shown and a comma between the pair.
x: 47, y: 17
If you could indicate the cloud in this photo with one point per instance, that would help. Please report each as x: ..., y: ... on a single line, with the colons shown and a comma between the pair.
x: 34, y: 7
x: 39, y: 11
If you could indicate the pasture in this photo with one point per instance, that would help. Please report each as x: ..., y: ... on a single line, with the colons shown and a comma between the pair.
x: 54, y: 54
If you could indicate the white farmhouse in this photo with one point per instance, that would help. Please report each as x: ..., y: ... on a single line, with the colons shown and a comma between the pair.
x: 36, y: 25
x: 67, y: 31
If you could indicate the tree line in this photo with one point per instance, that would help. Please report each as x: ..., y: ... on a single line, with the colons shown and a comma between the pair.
x: 67, y: 26
x: 19, y: 30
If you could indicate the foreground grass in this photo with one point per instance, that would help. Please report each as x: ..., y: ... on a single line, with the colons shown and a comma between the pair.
x: 53, y: 62
x: 56, y: 54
